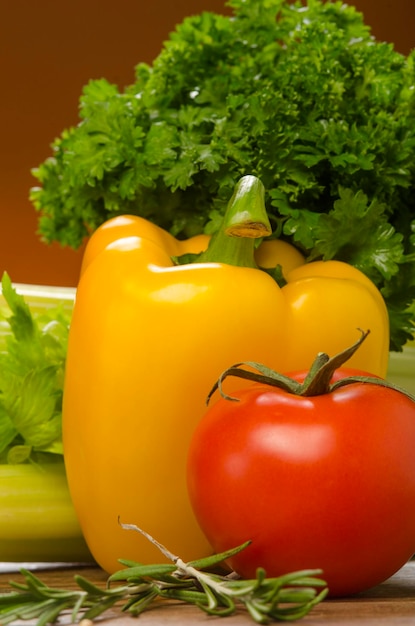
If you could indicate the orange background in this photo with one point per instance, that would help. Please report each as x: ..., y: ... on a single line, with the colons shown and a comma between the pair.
x: 48, y: 51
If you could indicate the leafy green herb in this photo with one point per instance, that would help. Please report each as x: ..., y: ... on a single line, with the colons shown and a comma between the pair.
x: 286, y: 598
x: 300, y: 95
x: 32, y: 360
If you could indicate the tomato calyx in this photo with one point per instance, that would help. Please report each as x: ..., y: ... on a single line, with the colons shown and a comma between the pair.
x: 317, y: 382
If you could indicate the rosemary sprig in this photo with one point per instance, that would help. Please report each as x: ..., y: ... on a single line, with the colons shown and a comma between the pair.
x: 284, y: 598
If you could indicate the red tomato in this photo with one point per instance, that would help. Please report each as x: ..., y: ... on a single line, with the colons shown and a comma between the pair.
x: 315, y: 482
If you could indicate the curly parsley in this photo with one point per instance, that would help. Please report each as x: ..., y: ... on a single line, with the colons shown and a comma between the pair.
x: 301, y: 96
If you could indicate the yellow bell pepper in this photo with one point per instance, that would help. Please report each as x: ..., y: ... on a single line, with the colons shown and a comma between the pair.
x: 149, y: 337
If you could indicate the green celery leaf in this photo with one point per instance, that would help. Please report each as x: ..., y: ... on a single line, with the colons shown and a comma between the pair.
x: 33, y: 408
x: 8, y: 431
x: 19, y: 454
x: 21, y: 322
x: 32, y: 363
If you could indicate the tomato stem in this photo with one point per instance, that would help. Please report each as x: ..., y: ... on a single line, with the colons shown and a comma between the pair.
x: 317, y: 382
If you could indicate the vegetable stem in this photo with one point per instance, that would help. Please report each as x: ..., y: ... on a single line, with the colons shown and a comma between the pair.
x: 244, y: 221
x: 38, y: 522
x: 317, y: 382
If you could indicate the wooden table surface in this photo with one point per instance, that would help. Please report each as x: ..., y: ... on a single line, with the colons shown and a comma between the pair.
x: 391, y: 603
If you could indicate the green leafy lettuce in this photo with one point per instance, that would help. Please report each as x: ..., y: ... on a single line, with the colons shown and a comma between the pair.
x: 32, y: 360
x: 301, y: 95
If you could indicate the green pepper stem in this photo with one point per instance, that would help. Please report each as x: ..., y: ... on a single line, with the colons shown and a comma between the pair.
x: 244, y: 221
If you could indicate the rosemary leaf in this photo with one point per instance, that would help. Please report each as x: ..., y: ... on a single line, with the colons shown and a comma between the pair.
x: 285, y: 598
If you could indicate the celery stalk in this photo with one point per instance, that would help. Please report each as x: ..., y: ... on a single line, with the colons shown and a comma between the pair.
x: 37, y: 521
